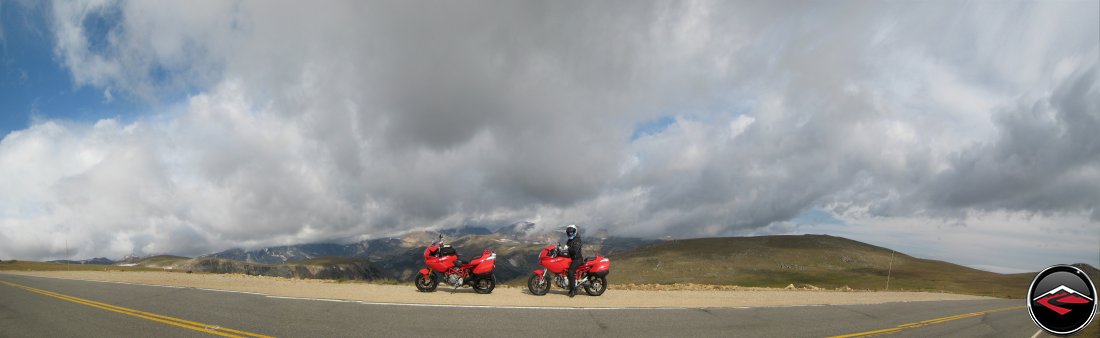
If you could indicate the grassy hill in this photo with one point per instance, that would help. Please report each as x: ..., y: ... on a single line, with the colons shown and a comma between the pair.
x: 15, y: 265
x: 343, y: 268
x: 818, y: 260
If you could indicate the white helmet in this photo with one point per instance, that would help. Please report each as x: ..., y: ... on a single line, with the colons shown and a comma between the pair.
x: 571, y: 231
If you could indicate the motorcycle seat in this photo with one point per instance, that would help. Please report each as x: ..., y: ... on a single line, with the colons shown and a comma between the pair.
x: 476, y: 258
x: 589, y: 259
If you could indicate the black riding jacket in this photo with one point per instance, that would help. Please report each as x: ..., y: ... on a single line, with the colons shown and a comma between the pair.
x: 575, y: 248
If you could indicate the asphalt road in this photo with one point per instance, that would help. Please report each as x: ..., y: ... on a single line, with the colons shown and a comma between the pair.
x: 36, y: 307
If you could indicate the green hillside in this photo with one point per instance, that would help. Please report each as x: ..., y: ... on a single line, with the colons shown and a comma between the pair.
x: 16, y: 265
x: 818, y: 260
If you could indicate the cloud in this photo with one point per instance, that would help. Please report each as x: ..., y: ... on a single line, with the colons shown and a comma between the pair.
x: 1044, y: 159
x: 148, y: 51
x: 360, y: 119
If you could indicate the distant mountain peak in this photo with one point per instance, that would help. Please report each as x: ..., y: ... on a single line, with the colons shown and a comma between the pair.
x: 97, y: 260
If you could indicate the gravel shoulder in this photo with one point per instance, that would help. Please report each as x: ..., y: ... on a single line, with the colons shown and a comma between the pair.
x: 502, y: 296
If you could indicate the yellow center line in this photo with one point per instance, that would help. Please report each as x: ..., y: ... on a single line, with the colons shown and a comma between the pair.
x: 211, y: 329
x: 149, y: 314
x: 925, y: 322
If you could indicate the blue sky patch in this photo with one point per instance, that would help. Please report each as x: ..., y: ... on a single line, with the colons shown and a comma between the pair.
x: 33, y: 84
x: 816, y: 216
x: 98, y: 27
x: 652, y: 127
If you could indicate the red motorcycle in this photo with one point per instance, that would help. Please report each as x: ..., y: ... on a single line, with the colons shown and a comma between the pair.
x: 592, y: 275
x: 442, y: 260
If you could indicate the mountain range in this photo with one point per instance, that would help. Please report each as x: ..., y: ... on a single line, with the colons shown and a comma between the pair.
x: 97, y: 260
x: 803, y: 261
x: 393, y: 258
x: 399, y: 258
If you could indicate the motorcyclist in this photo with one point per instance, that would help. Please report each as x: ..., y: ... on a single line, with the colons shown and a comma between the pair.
x: 573, y: 248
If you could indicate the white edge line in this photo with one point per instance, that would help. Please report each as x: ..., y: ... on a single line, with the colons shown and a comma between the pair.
x: 222, y: 290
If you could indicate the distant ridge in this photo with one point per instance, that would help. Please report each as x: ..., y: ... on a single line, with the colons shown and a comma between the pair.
x: 97, y: 261
x: 348, y: 268
x: 802, y: 261
x: 819, y: 261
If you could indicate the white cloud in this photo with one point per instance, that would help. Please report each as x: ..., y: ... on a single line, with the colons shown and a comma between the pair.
x: 365, y: 118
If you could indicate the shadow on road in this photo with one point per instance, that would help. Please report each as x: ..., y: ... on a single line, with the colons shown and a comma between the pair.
x: 580, y: 292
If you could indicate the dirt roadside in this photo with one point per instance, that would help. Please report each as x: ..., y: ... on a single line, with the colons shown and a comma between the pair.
x: 502, y: 296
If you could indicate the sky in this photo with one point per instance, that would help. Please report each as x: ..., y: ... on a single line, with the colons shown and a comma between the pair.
x: 963, y: 131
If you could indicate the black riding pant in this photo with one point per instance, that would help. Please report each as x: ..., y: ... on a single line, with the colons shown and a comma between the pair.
x: 573, y: 266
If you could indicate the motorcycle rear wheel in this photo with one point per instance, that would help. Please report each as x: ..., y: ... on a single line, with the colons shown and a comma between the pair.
x: 596, y: 286
x: 426, y: 285
x: 485, y: 285
x: 533, y: 285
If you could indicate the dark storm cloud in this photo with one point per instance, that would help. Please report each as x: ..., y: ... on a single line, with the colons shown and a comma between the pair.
x: 1045, y: 157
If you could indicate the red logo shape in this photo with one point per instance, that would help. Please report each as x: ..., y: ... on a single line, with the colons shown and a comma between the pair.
x: 1061, y: 295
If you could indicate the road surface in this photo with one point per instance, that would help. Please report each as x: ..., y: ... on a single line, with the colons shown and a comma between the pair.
x: 36, y: 307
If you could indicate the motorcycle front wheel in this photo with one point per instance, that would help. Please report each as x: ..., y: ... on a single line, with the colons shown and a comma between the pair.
x: 426, y: 284
x: 485, y: 285
x: 596, y: 286
x: 537, y: 285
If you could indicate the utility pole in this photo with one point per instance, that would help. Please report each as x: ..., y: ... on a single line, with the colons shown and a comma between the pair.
x: 889, y: 270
